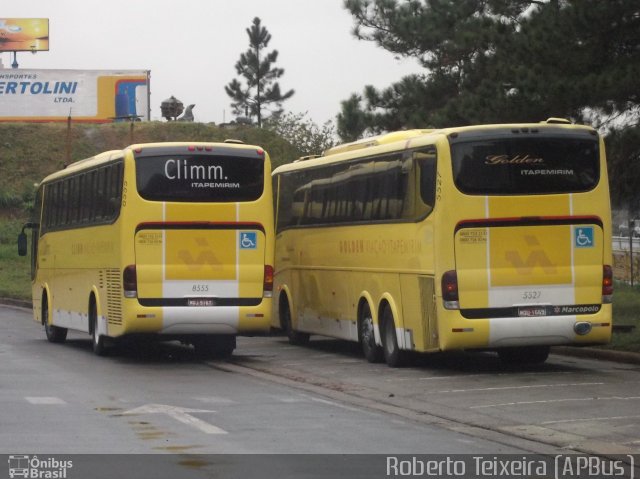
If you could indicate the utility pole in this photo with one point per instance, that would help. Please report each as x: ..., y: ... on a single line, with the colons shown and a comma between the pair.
x: 632, y: 225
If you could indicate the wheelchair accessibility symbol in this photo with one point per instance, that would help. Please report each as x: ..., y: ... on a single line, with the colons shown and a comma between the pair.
x: 583, y: 236
x: 248, y: 240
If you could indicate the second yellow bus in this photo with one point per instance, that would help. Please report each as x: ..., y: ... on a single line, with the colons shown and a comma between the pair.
x: 483, y: 237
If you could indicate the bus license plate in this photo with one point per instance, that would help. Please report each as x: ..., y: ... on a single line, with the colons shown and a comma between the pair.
x: 532, y: 312
x: 201, y: 302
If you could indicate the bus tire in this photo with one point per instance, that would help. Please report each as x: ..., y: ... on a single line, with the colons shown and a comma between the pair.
x: 219, y: 346
x: 296, y: 338
x: 393, y: 355
x: 54, y: 334
x: 98, y: 341
x: 524, y: 355
x: 372, y: 352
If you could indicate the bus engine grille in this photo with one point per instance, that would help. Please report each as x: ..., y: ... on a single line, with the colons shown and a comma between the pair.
x: 114, y: 295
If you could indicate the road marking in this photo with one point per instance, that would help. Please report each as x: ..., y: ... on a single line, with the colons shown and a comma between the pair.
x: 214, y: 400
x: 587, y: 419
x: 335, y: 404
x: 545, y: 401
x: 537, y: 386
x: 41, y: 400
x: 290, y: 400
x: 481, y: 376
x: 179, y: 414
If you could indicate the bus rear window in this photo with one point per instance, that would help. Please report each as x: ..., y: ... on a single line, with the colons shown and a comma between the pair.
x: 200, y: 178
x: 522, y: 166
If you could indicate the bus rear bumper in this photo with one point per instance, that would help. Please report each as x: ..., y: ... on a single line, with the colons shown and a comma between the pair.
x: 549, y: 330
x: 462, y: 333
x: 216, y: 320
x: 185, y: 320
x: 177, y: 321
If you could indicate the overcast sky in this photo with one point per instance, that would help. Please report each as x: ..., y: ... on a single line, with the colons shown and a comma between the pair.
x: 191, y: 47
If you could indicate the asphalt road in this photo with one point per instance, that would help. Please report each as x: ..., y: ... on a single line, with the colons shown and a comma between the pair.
x: 571, y: 403
x: 274, y: 399
x: 61, y: 398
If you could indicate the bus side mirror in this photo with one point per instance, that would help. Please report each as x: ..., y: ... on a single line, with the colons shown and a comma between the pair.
x: 22, y: 244
x: 22, y: 238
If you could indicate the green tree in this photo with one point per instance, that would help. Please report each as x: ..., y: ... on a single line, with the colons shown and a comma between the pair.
x: 503, y: 60
x: 305, y: 135
x: 623, y: 153
x: 260, y: 90
x: 500, y: 61
x: 353, y: 121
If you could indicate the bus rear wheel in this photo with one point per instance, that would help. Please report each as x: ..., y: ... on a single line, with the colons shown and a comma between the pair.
x: 393, y: 355
x: 54, y: 334
x: 219, y: 346
x: 296, y: 338
x: 98, y: 341
x: 524, y: 355
x: 372, y: 352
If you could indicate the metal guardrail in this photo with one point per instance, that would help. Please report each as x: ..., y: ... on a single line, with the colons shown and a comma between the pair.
x: 621, y: 243
x: 626, y: 268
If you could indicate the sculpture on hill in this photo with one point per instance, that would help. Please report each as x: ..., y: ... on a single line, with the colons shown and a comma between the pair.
x: 188, y: 114
x: 171, y: 108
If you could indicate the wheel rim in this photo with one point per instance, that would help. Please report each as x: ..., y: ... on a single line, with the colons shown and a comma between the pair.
x: 48, y: 330
x: 389, y: 336
x: 368, y: 334
x: 94, y: 321
x: 45, y: 315
x: 286, y: 314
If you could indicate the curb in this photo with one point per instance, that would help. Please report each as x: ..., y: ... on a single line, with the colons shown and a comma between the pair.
x: 596, y: 353
x: 18, y: 303
x: 591, y: 353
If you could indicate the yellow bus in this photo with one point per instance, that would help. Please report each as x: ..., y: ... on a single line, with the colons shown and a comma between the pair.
x: 172, y: 240
x: 489, y: 237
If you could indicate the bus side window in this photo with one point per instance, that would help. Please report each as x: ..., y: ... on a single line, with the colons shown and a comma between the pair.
x: 426, y: 162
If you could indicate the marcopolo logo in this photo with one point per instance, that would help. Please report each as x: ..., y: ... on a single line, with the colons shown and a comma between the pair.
x: 33, y: 467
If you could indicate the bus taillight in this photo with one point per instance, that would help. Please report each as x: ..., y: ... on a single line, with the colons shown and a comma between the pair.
x: 607, y: 284
x: 268, y: 281
x: 130, y: 281
x: 450, y: 290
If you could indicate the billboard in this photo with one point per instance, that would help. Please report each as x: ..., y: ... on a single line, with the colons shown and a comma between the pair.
x: 24, y: 34
x: 98, y: 96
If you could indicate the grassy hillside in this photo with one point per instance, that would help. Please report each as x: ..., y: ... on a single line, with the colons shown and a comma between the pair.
x: 30, y: 151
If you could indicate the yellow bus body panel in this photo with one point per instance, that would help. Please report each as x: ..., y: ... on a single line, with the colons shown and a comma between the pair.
x: 187, y: 247
x: 512, y: 254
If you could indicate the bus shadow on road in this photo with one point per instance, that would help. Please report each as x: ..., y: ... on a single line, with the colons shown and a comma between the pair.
x: 320, y: 350
x: 140, y: 351
x: 349, y: 354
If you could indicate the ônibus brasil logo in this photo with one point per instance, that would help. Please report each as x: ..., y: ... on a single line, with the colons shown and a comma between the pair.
x: 32, y: 467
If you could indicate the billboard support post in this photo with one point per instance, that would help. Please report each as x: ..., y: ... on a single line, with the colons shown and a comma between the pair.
x: 68, y: 145
x: 15, y: 60
x: 632, y: 225
x: 131, y: 123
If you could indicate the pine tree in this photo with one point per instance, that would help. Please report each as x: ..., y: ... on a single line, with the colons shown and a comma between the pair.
x: 261, y: 90
x: 352, y: 121
x: 503, y: 60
